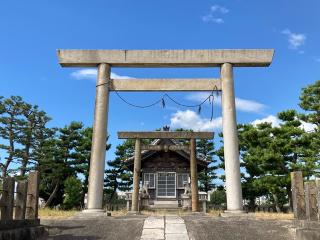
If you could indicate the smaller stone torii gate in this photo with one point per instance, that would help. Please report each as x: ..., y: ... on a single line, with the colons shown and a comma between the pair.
x: 192, y: 136
x: 225, y: 59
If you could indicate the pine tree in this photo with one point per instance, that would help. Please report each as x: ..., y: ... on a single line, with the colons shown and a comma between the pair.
x: 269, y: 154
x: 32, y: 134
x: 205, y: 150
x: 118, y: 175
x: 61, y: 162
x: 310, y: 103
x: 11, y: 123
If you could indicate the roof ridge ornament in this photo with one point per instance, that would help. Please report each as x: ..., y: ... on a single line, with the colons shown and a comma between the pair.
x: 166, y: 128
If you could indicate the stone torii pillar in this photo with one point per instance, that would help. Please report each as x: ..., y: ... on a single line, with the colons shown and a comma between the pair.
x: 99, y: 138
x: 136, y: 175
x: 230, y: 138
x: 194, y: 176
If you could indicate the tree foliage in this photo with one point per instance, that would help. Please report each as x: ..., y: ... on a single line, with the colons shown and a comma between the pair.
x: 72, y: 193
x: 23, y: 130
x: 118, y: 176
x: 310, y: 102
x: 218, y: 197
x: 205, y: 150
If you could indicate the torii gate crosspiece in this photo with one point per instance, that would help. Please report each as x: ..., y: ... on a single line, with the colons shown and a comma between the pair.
x: 225, y: 59
x: 192, y: 136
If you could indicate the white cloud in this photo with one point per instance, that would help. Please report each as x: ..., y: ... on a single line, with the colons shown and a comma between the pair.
x: 308, y: 127
x: 249, y: 105
x: 91, y: 74
x: 198, y: 96
x: 275, y: 122
x: 215, y: 13
x: 218, y: 8
x: 191, y: 120
x: 243, y: 105
x: 211, y: 18
x: 295, y: 40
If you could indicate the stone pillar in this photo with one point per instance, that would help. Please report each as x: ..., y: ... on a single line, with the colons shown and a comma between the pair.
x: 230, y: 138
x: 311, y: 201
x: 33, y: 195
x: 21, y: 200
x: 7, y: 198
x: 298, y: 202
x: 136, y: 176
x: 204, y: 206
x: 318, y: 197
x: 194, y: 176
x: 99, y: 138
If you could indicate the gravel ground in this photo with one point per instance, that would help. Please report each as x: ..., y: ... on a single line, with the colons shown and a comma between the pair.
x: 217, y: 228
x: 120, y: 228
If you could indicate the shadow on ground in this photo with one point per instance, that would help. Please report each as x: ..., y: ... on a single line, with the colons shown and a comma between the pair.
x: 111, y: 228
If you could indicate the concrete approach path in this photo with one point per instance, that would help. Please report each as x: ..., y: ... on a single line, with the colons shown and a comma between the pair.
x: 170, y: 227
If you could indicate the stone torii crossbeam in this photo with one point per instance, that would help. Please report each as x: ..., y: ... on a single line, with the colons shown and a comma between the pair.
x: 225, y: 59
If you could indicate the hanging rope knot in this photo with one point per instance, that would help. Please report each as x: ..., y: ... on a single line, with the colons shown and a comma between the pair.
x: 199, y: 109
x: 163, y: 102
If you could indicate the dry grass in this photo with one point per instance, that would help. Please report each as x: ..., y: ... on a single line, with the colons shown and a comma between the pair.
x: 118, y: 213
x: 48, y: 213
x: 160, y: 212
x: 215, y: 213
x: 274, y: 216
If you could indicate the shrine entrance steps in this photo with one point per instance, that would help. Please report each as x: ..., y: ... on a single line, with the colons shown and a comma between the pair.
x: 170, y: 204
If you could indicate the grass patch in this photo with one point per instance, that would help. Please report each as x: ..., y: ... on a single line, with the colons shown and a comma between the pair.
x: 49, y: 213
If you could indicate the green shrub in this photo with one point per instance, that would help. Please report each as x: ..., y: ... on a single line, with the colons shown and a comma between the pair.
x: 218, y: 197
x: 72, y: 193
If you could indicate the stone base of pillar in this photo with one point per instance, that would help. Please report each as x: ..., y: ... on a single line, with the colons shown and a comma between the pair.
x: 186, y: 201
x: 236, y: 213
x: 133, y: 213
x: 93, y: 211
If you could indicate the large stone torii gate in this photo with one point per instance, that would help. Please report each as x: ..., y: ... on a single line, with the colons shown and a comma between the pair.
x: 225, y: 59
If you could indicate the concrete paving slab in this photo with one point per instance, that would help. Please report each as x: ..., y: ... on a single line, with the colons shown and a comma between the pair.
x: 177, y: 236
x: 176, y: 228
x: 152, y: 234
x: 154, y: 223
x: 173, y: 219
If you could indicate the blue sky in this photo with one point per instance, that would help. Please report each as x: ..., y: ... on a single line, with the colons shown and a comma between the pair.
x: 32, y: 31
